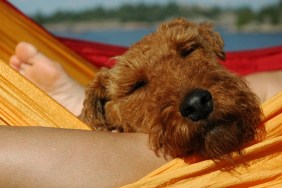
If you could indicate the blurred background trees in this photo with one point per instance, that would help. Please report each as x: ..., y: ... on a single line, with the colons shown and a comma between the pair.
x: 271, y: 14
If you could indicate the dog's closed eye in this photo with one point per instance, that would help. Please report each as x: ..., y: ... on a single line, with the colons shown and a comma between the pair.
x: 186, y: 51
x: 137, y: 85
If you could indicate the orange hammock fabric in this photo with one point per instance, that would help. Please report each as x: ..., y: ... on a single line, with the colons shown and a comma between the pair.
x: 24, y: 104
x: 98, y: 54
x: 17, y: 27
x: 263, y: 169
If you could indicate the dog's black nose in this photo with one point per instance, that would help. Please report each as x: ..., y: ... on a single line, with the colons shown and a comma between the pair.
x: 197, y: 105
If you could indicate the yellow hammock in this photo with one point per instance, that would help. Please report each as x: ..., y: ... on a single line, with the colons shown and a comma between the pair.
x: 23, y: 104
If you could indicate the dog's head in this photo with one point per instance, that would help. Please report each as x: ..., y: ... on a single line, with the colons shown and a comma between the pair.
x: 171, y: 86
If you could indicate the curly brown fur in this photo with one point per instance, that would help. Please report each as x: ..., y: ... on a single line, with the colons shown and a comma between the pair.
x: 143, y: 92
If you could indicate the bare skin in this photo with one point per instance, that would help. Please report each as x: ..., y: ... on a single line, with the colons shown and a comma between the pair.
x: 49, y: 157
x: 265, y: 84
x: 46, y: 157
x: 49, y: 76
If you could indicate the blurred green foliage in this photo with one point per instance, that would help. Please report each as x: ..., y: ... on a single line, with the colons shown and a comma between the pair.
x: 154, y: 12
x: 129, y: 12
x: 270, y: 14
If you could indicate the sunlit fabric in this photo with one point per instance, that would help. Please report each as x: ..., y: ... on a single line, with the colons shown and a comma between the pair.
x: 16, y: 27
x: 23, y: 104
x: 261, y: 165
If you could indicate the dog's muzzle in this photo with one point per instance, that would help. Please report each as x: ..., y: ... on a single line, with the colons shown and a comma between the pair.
x: 197, y: 105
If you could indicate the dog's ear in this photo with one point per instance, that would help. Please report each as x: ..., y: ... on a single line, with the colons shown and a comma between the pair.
x: 185, y: 36
x: 96, y: 96
x: 214, y: 38
x: 181, y: 34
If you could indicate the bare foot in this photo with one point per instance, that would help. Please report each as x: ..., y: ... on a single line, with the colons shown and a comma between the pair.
x: 49, y: 76
x: 265, y: 84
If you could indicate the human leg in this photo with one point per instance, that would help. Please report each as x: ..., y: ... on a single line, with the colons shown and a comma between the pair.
x: 46, y: 157
x: 49, y: 76
x: 49, y: 157
x: 265, y: 84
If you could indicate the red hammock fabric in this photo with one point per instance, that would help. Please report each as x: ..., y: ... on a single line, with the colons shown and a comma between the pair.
x: 241, y: 62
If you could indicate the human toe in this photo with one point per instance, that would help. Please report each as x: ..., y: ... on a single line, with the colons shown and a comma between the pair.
x: 25, y: 51
x: 15, y: 62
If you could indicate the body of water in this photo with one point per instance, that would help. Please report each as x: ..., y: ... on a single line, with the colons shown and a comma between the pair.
x: 233, y: 41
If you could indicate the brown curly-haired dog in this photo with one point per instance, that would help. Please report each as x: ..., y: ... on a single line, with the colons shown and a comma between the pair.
x: 171, y: 86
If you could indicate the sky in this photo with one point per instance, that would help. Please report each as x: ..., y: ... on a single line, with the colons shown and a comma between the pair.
x: 49, y: 6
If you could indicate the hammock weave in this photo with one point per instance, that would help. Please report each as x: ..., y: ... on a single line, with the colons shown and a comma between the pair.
x: 23, y: 104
